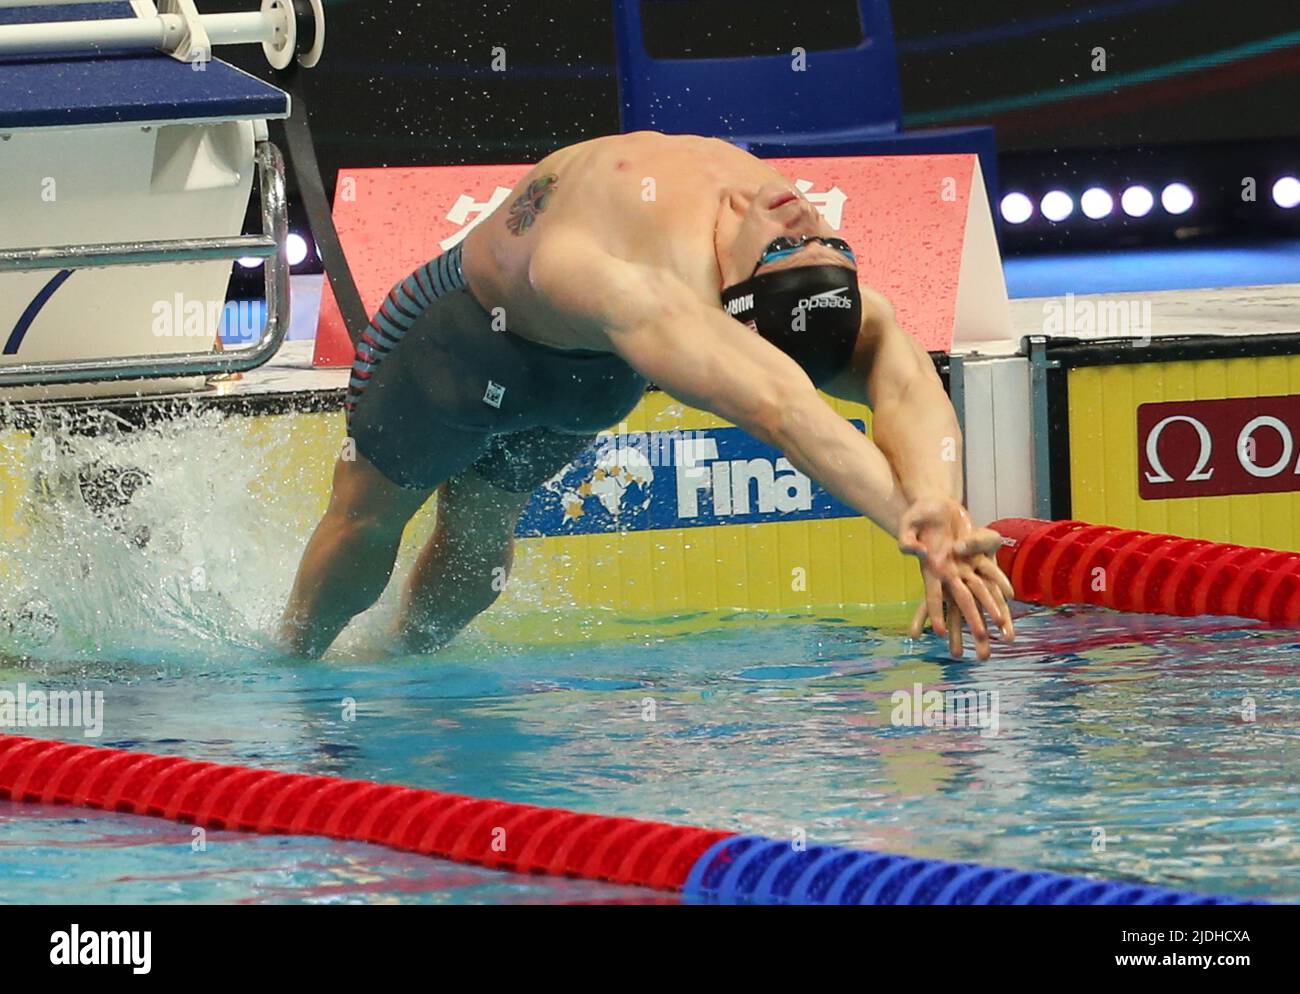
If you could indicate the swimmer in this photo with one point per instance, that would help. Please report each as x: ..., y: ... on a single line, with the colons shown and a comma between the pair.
x: 677, y: 260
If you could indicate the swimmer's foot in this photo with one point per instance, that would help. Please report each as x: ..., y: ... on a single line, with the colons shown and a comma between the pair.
x: 422, y: 640
x: 295, y: 640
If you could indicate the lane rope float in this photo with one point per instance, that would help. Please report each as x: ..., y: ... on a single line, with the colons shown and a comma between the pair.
x: 701, y: 864
x: 1072, y: 562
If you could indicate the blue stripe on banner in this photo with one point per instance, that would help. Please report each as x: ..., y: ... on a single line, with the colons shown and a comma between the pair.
x: 644, y: 481
x: 1024, y: 28
x: 28, y: 317
x: 752, y: 869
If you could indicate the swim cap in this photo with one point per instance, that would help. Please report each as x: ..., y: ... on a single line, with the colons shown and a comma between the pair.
x: 811, y: 313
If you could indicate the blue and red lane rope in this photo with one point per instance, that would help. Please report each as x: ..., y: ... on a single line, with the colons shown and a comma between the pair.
x: 700, y: 864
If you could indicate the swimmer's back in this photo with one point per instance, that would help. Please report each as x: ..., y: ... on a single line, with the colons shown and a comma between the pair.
x: 643, y: 197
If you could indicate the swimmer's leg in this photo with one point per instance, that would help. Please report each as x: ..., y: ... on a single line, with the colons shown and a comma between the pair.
x: 463, y: 567
x: 349, y: 558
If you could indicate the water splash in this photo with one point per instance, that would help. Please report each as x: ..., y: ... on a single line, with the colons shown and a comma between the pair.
x: 160, y: 543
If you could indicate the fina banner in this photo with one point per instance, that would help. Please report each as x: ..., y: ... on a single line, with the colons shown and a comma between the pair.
x: 642, y: 481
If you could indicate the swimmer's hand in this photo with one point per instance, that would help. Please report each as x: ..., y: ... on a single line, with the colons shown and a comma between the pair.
x: 963, y: 581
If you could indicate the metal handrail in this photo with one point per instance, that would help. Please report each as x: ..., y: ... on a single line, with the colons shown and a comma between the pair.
x: 269, y: 245
x: 136, y: 253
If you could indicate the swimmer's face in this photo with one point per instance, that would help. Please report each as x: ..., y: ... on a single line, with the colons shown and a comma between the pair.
x: 757, y: 219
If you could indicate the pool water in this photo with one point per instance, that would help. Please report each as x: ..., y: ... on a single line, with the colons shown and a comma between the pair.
x: 1155, y: 749
x: 1152, y: 749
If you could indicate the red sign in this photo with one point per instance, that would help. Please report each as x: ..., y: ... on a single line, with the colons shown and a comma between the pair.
x: 1210, y: 448
x: 906, y: 216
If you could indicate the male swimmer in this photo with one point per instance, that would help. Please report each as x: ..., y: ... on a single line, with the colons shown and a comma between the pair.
x: 490, y: 368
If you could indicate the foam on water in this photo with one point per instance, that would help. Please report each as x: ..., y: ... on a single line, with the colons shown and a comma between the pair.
x: 164, y: 544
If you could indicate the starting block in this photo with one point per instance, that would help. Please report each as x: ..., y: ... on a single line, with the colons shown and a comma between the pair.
x: 128, y: 155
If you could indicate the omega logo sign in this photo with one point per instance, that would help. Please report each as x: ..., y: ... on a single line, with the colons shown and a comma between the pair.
x: 1209, y: 448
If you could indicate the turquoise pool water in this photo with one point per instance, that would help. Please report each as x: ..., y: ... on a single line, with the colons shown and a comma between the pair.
x: 1155, y: 749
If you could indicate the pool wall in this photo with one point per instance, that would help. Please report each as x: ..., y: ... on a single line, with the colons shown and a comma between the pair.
x: 1196, y: 436
x: 675, y: 512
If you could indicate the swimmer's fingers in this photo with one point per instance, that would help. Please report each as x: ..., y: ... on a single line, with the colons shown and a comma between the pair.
x: 950, y: 620
x: 980, y: 542
x: 934, y: 603
x: 909, y: 538
x: 909, y: 544
x: 995, y: 609
x: 961, y: 596
x: 954, y: 632
x: 984, y: 594
x: 1000, y: 588
x: 919, y: 618
x: 928, y: 515
x: 988, y: 568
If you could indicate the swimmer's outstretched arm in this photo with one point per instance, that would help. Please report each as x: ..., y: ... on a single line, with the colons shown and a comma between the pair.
x: 915, y: 426
x: 697, y: 353
x: 912, y: 419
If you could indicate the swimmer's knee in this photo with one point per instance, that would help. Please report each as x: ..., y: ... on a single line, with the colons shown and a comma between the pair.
x: 361, y: 530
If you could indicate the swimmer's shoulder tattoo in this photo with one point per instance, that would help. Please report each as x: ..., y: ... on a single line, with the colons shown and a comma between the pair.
x: 529, y: 204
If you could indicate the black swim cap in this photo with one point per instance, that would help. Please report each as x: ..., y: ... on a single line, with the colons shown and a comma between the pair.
x: 811, y: 313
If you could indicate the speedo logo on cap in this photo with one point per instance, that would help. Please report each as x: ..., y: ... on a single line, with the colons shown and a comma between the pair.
x: 830, y: 298
x: 745, y: 302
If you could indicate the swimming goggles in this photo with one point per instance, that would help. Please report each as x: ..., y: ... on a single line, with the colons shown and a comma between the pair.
x: 785, y: 246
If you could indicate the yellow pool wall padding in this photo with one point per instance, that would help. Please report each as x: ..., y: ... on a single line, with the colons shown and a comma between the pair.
x: 1104, y: 449
x: 695, y: 575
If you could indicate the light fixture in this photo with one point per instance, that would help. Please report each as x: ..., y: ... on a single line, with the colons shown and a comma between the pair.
x: 1286, y: 192
x: 1096, y: 203
x: 296, y: 249
x: 1017, y: 208
x: 1137, y: 201
x: 1057, y: 205
x: 1177, y: 198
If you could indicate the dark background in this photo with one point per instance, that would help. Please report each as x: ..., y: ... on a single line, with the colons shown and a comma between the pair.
x: 409, y: 81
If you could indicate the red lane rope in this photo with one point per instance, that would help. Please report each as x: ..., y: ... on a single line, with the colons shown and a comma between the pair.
x: 519, y: 837
x: 1070, y: 562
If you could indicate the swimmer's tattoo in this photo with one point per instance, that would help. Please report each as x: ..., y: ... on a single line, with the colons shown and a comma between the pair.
x: 524, y: 211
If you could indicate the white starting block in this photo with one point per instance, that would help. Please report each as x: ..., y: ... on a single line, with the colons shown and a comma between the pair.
x: 127, y: 157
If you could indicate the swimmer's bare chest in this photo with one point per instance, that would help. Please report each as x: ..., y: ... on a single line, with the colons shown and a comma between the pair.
x: 645, y: 197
